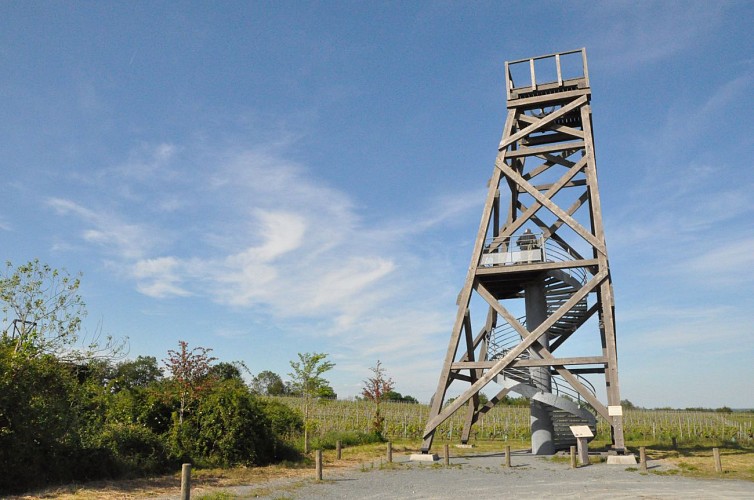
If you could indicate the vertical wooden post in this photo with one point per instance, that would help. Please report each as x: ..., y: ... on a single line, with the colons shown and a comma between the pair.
x: 643, y: 458
x: 507, y: 456
x: 675, y: 443
x: 186, y: 482
x: 389, y: 452
x: 573, y: 457
x: 318, y: 465
x: 338, y: 448
x: 718, y: 462
x: 447, y: 454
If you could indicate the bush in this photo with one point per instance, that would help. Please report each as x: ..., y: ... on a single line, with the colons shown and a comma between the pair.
x: 328, y: 441
x: 286, y: 421
x: 137, y: 449
x: 229, y: 428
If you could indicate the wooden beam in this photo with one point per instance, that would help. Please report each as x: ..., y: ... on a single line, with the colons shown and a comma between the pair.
x: 548, y: 98
x: 509, y: 229
x: 523, y: 151
x: 540, y: 123
x: 544, y: 266
x: 555, y: 126
x: 545, y: 187
x: 520, y: 363
x: 559, y: 212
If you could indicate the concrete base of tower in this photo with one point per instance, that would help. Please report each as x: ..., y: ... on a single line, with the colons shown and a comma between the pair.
x: 541, y: 430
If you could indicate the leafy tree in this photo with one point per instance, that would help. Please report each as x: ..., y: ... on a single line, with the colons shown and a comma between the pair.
x: 42, y: 313
x: 326, y: 392
x: 140, y: 372
x: 375, y: 389
x: 307, y: 380
x: 42, y: 308
x: 229, y: 371
x: 627, y: 405
x: 190, y: 371
x: 399, y: 398
x: 268, y: 383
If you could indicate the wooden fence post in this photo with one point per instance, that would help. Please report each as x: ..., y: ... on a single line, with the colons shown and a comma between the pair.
x: 338, y: 448
x: 643, y: 458
x: 447, y: 454
x: 573, y: 457
x: 318, y: 465
x: 507, y: 456
x: 186, y: 482
x: 389, y: 452
x: 718, y: 462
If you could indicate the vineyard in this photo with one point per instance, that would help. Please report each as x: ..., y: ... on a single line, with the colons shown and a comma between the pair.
x: 510, y: 423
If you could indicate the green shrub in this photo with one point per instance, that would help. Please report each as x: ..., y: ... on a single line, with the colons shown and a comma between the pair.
x: 285, y: 421
x: 328, y: 441
x: 136, y: 448
x: 228, y: 428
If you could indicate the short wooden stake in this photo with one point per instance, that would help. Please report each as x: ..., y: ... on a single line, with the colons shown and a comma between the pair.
x: 507, y: 456
x: 186, y: 482
x: 675, y: 443
x: 447, y: 454
x: 389, y: 452
x: 318, y: 464
x: 573, y: 457
x: 718, y: 462
x: 338, y: 448
x: 643, y: 458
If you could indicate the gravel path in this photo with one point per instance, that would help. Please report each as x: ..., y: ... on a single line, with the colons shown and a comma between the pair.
x: 483, y: 476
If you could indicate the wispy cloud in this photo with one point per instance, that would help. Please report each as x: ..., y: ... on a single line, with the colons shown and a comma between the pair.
x: 628, y: 33
x: 269, y: 236
x: 108, y: 231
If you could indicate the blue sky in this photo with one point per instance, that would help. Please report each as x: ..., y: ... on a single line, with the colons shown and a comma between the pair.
x: 268, y: 178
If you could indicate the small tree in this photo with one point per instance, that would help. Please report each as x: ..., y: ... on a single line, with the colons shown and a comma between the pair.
x: 307, y: 380
x: 42, y: 314
x: 42, y: 308
x: 190, y: 371
x: 268, y: 383
x: 376, y: 389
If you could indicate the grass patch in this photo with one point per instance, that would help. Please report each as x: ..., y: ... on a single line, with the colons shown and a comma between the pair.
x: 698, y: 461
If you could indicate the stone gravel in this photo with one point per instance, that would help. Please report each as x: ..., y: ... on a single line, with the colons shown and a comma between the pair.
x: 484, y: 476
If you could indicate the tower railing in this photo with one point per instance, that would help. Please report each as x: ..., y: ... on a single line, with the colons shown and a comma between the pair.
x: 553, y: 74
x: 514, y: 250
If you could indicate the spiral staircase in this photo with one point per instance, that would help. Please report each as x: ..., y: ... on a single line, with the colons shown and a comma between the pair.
x: 564, y: 405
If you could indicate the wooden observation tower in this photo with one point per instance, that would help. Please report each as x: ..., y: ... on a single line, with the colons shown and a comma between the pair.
x: 539, y: 275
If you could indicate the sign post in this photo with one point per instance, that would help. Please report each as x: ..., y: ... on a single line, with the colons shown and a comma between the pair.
x: 582, y: 433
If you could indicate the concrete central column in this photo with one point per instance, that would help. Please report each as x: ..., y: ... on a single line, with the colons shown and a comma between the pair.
x: 541, y: 423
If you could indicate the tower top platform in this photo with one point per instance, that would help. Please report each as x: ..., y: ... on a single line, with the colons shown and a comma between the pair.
x: 545, y: 75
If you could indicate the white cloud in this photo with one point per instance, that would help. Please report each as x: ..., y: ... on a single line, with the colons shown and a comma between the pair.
x: 726, y: 261
x: 127, y: 241
x: 629, y: 33
x: 159, y: 277
x: 260, y: 234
